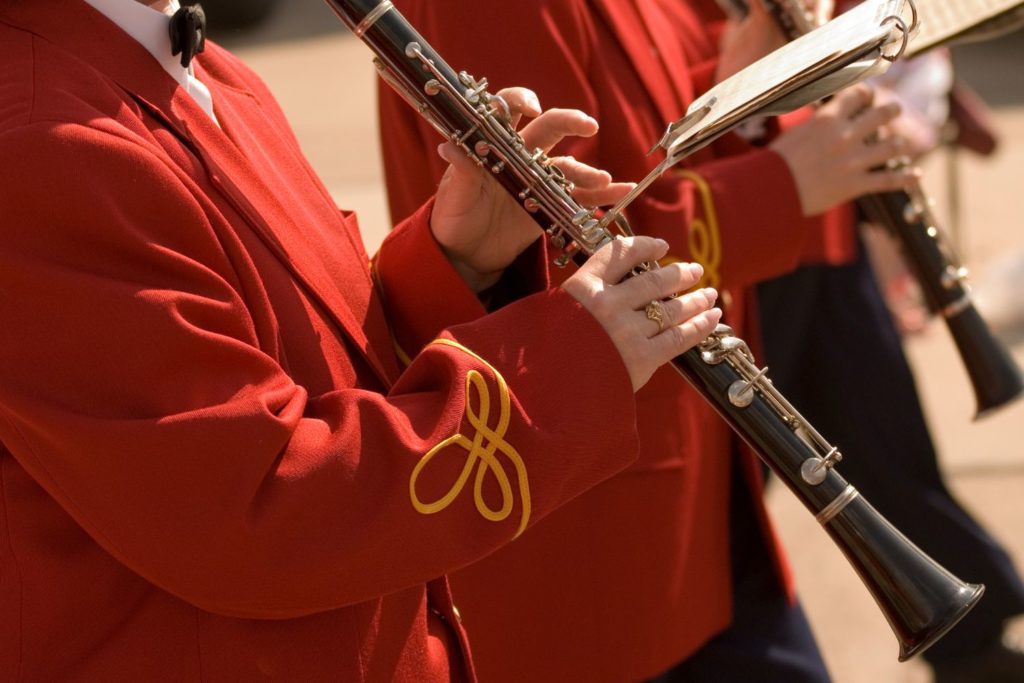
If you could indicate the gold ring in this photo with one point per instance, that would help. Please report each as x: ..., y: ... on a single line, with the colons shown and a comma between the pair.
x: 656, y: 312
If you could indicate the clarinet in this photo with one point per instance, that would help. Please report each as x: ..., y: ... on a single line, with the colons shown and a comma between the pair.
x: 905, y: 214
x: 993, y: 373
x: 920, y: 599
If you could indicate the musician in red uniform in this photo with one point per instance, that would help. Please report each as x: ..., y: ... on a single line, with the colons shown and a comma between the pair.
x: 638, y: 573
x: 213, y: 465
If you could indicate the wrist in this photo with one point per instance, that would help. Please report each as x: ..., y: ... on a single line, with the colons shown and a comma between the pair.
x: 477, y: 281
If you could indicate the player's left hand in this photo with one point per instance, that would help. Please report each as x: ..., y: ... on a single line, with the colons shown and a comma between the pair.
x: 480, y: 226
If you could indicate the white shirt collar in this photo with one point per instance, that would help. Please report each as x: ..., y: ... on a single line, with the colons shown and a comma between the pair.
x: 149, y: 28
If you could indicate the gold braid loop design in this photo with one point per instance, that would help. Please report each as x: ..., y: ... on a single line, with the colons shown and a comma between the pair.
x: 703, y: 237
x: 481, y: 452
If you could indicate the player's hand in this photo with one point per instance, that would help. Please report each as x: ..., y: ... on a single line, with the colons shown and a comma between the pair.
x: 922, y: 133
x: 479, y: 225
x: 842, y: 152
x: 621, y: 305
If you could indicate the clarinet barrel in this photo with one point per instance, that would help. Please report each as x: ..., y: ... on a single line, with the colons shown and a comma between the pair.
x: 994, y: 375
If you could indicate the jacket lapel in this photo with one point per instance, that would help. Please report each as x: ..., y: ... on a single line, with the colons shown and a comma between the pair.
x: 304, y: 238
x: 647, y: 57
x: 670, y: 50
x: 300, y: 239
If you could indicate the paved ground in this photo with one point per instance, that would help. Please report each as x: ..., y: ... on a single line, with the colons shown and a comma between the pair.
x: 325, y: 82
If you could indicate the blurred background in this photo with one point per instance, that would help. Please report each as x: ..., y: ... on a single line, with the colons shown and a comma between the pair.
x: 325, y: 81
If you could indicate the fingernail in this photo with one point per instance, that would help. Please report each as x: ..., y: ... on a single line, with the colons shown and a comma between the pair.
x: 661, y: 243
x: 696, y: 270
x: 711, y: 293
x: 442, y: 151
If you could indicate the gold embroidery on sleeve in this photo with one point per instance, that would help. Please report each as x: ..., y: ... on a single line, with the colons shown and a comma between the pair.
x: 481, y: 451
x: 703, y: 236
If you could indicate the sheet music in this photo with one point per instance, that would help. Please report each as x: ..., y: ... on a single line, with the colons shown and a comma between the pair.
x: 855, y: 40
x: 943, y: 21
x: 847, y: 49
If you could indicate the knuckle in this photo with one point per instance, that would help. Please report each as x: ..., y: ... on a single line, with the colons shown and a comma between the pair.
x: 674, y: 312
x: 624, y: 244
x: 678, y: 277
x: 703, y: 327
x: 659, y: 282
x: 704, y: 299
x: 618, y: 249
x: 685, y: 303
x: 680, y: 337
x: 649, y: 285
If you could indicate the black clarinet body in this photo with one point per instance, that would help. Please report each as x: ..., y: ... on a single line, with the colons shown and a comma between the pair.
x: 994, y: 375
x: 919, y: 598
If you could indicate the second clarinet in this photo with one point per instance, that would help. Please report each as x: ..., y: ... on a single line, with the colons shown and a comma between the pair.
x: 995, y: 376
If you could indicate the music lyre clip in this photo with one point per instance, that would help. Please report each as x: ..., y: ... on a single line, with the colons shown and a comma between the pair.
x: 674, y: 134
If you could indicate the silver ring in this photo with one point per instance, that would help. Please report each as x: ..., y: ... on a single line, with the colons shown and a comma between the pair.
x: 372, y: 16
x: 838, y: 504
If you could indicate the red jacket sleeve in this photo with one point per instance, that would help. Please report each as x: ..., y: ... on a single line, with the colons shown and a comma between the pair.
x: 139, y: 391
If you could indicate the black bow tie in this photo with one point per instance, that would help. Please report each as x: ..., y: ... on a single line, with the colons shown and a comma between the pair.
x: 188, y: 33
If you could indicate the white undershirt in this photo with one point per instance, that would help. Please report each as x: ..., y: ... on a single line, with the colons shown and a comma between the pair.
x: 149, y: 27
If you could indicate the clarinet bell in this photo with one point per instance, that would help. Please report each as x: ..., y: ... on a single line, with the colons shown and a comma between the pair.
x: 920, y: 598
x: 994, y: 374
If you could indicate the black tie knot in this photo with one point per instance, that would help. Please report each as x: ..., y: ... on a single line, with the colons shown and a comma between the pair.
x: 188, y: 33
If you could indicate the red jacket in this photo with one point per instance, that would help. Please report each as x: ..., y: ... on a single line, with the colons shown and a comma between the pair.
x: 211, y: 465
x: 634, y: 575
